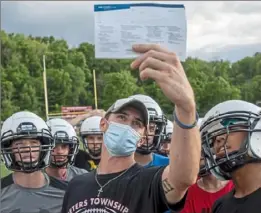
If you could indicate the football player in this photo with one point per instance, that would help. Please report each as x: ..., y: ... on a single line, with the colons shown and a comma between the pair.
x: 92, y: 138
x: 26, y: 145
x: 166, y: 139
x: 203, y: 194
x: 63, y: 154
x: 144, y: 154
x: 231, y: 140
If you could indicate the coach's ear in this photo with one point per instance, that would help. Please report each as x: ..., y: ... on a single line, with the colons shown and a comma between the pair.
x: 104, y: 125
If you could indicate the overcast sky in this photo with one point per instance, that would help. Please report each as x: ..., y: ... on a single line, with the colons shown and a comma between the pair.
x: 227, y: 30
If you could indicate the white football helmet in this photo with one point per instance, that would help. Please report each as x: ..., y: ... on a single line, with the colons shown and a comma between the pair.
x: 200, y: 121
x: 155, y: 116
x: 168, y: 131
x: 166, y: 139
x: 91, y: 126
x: 231, y: 116
x: 63, y: 133
x: 26, y: 126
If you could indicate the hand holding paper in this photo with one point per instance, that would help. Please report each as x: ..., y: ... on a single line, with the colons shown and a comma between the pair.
x: 164, y: 67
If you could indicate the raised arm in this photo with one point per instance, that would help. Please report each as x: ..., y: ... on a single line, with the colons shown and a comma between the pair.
x: 184, y: 156
x: 166, y: 70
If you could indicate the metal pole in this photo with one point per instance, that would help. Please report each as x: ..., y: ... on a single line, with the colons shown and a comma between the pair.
x: 95, y: 90
x: 45, y: 90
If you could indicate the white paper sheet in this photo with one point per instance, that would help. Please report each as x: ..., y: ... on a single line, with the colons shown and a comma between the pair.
x: 118, y: 26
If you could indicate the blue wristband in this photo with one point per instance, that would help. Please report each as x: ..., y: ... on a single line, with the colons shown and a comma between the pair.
x: 185, y: 126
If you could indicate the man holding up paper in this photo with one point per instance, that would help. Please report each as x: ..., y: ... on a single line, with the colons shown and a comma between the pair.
x: 119, y: 184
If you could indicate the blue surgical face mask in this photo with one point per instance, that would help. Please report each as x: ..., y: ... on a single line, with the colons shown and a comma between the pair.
x: 120, y: 139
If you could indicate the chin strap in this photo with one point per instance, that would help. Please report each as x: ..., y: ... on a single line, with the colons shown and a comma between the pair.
x: 143, y: 152
x: 203, y: 171
x: 62, y: 165
x: 94, y: 154
x: 229, y: 166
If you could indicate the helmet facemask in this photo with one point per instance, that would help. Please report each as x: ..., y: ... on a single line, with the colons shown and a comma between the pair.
x: 64, y: 160
x: 155, y: 134
x: 204, y: 169
x: 15, y: 154
x: 93, y: 146
x: 223, y: 163
x: 164, y: 144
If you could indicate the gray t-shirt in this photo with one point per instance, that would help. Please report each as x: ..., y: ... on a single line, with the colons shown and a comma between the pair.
x: 73, y: 171
x: 18, y: 199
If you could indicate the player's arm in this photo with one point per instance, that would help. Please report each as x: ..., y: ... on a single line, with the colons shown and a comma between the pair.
x: 75, y: 121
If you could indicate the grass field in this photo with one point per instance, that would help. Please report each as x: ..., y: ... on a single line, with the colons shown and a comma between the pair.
x: 4, y: 171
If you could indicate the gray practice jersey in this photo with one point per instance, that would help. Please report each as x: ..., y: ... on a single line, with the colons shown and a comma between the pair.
x: 74, y: 171
x: 17, y: 199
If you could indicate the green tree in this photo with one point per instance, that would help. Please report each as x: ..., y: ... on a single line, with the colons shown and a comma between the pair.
x: 118, y: 85
x: 70, y: 77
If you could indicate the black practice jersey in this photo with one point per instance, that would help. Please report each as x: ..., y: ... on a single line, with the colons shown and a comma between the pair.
x: 139, y: 190
x: 229, y: 204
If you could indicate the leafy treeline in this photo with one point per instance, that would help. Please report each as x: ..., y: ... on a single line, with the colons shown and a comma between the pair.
x: 70, y: 80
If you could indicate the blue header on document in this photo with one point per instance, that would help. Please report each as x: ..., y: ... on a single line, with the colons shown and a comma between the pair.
x: 108, y: 7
